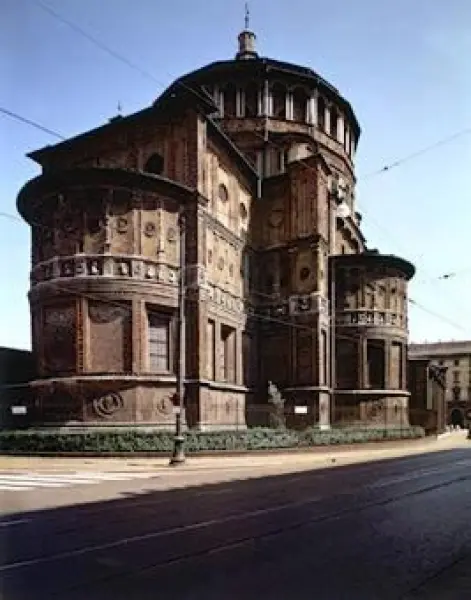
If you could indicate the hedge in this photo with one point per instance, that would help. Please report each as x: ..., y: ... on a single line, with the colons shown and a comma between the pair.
x: 108, y: 442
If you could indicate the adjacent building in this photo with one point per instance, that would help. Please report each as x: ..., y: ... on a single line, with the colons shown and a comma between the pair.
x: 255, y: 158
x: 455, y: 356
x: 426, y: 382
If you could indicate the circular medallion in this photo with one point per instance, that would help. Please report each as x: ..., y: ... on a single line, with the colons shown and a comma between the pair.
x: 221, y: 264
x: 106, y: 406
x: 149, y: 229
x: 171, y: 234
x: 165, y: 406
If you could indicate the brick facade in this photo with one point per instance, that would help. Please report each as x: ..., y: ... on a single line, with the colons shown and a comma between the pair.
x: 259, y: 155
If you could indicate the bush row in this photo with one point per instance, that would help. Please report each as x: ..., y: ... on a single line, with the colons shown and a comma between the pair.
x: 162, y: 441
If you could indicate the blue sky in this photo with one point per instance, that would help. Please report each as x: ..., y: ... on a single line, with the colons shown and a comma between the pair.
x: 403, y: 65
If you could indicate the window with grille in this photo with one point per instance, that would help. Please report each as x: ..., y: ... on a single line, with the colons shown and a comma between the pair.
x: 159, y: 353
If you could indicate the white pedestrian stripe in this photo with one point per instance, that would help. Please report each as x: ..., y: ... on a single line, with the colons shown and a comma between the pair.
x: 27, y: 480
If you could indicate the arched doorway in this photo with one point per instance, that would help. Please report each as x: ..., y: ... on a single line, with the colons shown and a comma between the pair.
x: 457, y: 418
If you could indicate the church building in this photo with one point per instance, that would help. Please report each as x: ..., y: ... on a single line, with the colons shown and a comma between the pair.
x: 255, y: 159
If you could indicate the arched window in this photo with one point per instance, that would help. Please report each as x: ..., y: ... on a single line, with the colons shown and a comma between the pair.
x: 154, y: 164
x: 230, y: 100
x: 279, y: 101
x: 299, y: 105
x: 321, y: 113
x: 334, y: 123
x: 251, y: 100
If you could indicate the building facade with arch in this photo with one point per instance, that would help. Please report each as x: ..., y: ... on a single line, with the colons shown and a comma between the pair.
x: 258, y: 156
x: 454, y: 357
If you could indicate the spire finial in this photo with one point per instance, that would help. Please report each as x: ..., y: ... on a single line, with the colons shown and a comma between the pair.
x: 246, y: 39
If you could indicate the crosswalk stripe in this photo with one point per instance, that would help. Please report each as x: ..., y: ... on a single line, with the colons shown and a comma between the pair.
x: 23, y: 481
x: 49, y: 479
x: 34, y: 483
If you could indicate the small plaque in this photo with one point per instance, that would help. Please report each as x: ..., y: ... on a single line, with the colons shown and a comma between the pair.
x: 300, y: 410
x: 19, y: 410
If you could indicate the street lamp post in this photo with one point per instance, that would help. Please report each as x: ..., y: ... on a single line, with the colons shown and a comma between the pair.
x: 178, y: 456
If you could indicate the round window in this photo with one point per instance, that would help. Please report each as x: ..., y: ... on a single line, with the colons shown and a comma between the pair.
x: 223, y: 193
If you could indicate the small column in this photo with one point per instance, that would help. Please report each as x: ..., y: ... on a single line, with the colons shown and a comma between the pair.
x: 387, y: 365
x: 364, y: 363
x: 86, y: 336
x: 218, y: 367
x: 266, y: 99
x: 404, y: 367
x: 312, y: 109
x: 137, y: 335
x: 341, y: 129
x: 221, y: 103
x: 240, y: 102
x: 327, y: 118
x: 260, y: 102
x: 352, y: 146
x: 346, y: 144
x: 289, y: 105
x: 239, y: 378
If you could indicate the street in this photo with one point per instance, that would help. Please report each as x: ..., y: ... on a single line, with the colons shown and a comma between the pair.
x: 389, y: 529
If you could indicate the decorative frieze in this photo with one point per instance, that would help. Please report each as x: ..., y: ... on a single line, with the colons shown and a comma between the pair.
x: 105, y: 266
x: 370, y: 318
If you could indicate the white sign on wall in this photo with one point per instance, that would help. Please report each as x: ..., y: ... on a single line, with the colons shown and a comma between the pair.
x: 300, y: 410
x: 19, y: 410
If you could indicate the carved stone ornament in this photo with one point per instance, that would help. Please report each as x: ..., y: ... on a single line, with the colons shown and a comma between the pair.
x: 109, y: 404
x: 123, y: 268
x: 276, y: 216
x: 375, y: 409
x: 95, y: 268
x: 105, y: 313
x: 165, y: 406
x: 59, y: 317
x: 171, y: 234
x: 122, y: 225
x: 221, y: 264
x: 210, y: 256
x: 150, y: 229
x: 150, y: 272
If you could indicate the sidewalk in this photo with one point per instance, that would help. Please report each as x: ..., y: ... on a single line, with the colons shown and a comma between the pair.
x: 311, y: 458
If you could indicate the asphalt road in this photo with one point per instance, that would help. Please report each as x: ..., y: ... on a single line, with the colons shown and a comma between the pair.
x: 393, y: 529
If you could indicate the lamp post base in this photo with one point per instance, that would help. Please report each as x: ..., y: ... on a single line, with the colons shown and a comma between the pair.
x: 178, y: 456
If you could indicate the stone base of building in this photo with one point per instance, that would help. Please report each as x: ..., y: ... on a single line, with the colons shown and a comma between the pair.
x: 117, y: 402
x: 214, y: 406
x: 371, y: 408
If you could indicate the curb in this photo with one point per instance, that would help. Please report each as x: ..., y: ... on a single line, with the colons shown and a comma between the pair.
x: 313, y: 450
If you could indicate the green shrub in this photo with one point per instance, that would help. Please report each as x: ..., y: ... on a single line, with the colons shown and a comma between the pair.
x: 108, y: 442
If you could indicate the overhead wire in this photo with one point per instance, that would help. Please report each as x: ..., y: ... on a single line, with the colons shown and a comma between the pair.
x: 148, y: 75
x: 18, y: 117
x: 254, y: 292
